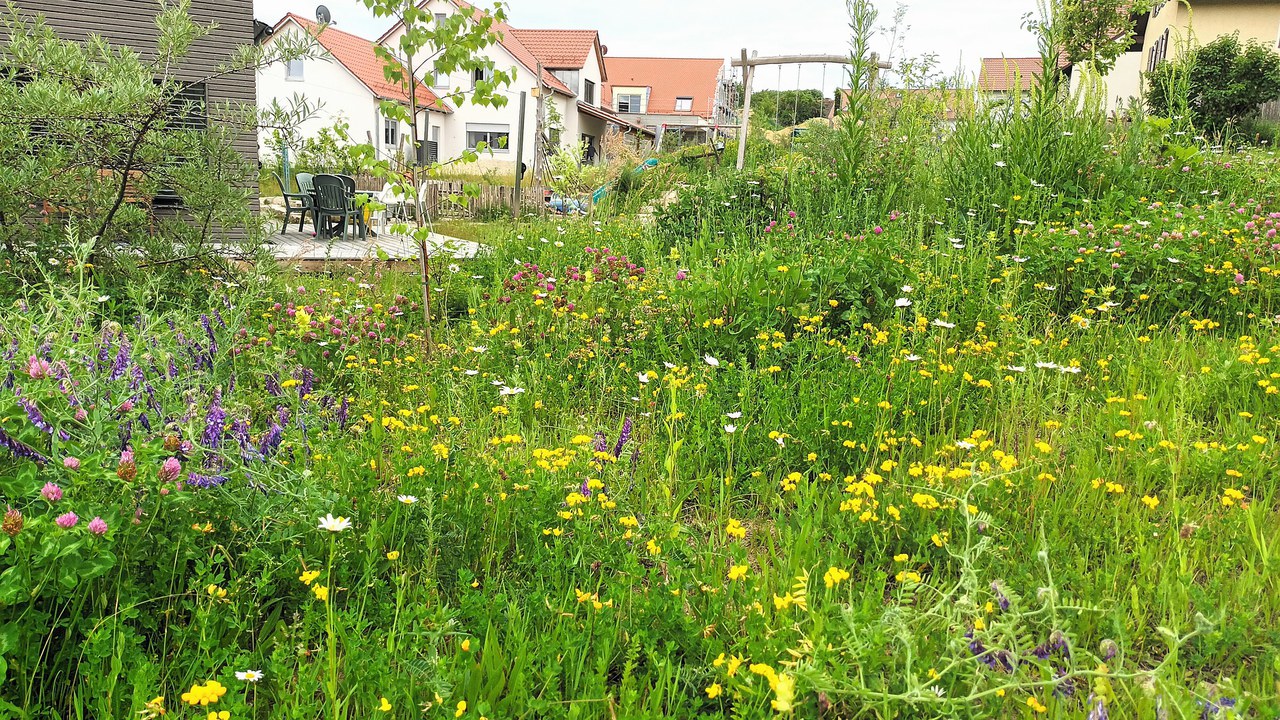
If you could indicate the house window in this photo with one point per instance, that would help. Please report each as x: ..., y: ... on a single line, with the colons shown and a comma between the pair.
x: 568, y: 77
x: 188, y: 110
x: 495, y: 137
x: 480, y: 75
x: 440, y: 80
x: 390, y: 132
x: 628, y: 103
x: 684, y: 104
x: 588, y: 92
x: 441, y: 18
x: 1156, y: 8
x: 294, y: 70
x: 1159, y: 51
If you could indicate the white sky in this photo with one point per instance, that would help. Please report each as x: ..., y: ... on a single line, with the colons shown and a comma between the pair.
x: 960, y: 32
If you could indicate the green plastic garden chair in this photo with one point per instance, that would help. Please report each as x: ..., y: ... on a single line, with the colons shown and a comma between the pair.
x: 299, y: 202
x: 334, y: 205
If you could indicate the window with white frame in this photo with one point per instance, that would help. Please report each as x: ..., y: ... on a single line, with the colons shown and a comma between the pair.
x: 293, y: 70
x: 629, y: 103
x: 495, y: 137
x: 441, y: 18
x: 480, y: 75
x: 440, y: 80
x: 568, y: 77
x: 390, y: 132
x: 684, y: 104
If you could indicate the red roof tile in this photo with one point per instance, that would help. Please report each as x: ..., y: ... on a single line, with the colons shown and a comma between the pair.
x: 559, y: 49
x: 509, y: 42
x: 1000, y: 74
x: 667, y: 79
x: 357, y: 55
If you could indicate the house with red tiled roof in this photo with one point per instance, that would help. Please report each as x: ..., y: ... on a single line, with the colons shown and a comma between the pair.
x: 675, y: 94
x: 573, y: 75
x: 349, y: 83
x: 1003, y: 80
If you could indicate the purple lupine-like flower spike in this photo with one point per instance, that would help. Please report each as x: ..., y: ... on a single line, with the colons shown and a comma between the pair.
x: 121, y: 364
x: 205, y: 482
x: 343, y: 409
x: 21, y: 449
x: 214, y: 418
x: 271, y: 439
x: 34, y: 415
x: 272, y: 385
x: 622, y: 438
x: 602, y: 442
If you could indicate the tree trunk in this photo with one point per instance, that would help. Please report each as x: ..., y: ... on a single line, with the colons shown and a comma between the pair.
x: 419, y: 212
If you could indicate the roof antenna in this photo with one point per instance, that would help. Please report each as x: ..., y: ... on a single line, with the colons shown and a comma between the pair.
x: 323, y: 16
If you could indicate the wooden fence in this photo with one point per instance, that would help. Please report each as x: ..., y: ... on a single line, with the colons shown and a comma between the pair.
x: 1271, y: 111
x: 446, y: 198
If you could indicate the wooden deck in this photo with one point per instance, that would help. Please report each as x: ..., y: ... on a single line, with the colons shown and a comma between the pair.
x: 304, y: 251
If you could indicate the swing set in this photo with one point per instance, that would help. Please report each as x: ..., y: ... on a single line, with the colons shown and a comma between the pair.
x: 749, y: 65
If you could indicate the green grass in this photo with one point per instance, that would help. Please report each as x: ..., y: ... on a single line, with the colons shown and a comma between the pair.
x: 884, y: 458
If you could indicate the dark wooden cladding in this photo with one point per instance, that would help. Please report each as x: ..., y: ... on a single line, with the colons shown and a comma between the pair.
x: 132, y: 23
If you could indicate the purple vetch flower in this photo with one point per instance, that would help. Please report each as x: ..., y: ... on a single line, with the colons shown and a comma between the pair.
x: 343, y: 409
x: 205, y: 482
x: 602, y: 442
x: 121, y: 364
x: 1098, y: 711
x: 21, y: 449
x: 1000, y: 596
x: 623, y: 437
x: 98, y: 526
x: 272, y: 385
x: 585, y: 490
x: 66, y: 521
x: 214, y: 418
x: 306, y: 380
x: 35, y: 416
x: 51, y: 493
x: 270, y: 442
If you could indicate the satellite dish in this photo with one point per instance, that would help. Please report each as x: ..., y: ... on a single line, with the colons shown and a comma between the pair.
x: 604, y: 49
x: 323, y: 16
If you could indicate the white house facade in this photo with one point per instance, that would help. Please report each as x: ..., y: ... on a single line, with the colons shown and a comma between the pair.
x: 347, y: 84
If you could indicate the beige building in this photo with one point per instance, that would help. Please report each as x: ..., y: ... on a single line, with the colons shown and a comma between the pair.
x: 1169, y: 28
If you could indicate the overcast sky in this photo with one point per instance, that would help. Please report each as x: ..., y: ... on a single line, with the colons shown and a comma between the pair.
x: 960, y: 32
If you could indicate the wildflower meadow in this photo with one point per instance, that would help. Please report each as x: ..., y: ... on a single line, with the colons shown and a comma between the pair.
x: 990, y: 433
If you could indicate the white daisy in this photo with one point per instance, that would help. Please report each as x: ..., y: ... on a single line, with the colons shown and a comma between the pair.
x: 711, y: 360
x: 334, y: 524
x: 408, y: 499
x: 252, y: 676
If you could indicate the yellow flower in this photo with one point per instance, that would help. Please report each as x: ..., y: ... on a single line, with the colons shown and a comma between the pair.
x: 714, y: 690
x: 384, y: 705
x: 219, y: 715
x: 462, y: 708
x: 834, y: 576
x: 1036, y: 705
x: 466, y: 645
x: 902, y: 557
x: 1150, y: 501
x: 393, y: 555
x: 321, y: 592
x: 737, y: 572
x: 653, y: 547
